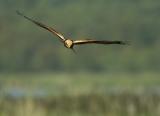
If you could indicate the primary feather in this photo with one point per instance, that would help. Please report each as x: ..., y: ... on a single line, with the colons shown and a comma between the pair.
x: 44, y: 26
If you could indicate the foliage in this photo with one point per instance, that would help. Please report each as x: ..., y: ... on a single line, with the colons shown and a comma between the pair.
x: 25, y: 47
x: 79, y: 95
x: 124, y: 104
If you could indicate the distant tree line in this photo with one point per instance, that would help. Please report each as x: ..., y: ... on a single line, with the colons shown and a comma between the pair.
x: 25, y: 47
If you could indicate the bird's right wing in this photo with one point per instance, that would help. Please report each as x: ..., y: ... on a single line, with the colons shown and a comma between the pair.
x: 44, y: 26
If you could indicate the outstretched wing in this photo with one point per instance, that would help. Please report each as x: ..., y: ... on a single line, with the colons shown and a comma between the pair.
x: 44, y: 26
x: 88, y: 41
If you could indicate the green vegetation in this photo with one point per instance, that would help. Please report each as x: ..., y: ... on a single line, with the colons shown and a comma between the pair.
x: 79, y: 95
x: 25, y: 47
x: 85, y: 105
x: 39, y: 77
x: 57, y: 84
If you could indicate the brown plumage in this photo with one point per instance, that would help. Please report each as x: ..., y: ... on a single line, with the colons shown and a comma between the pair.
x: 89, y: 41
x: 69, y: 43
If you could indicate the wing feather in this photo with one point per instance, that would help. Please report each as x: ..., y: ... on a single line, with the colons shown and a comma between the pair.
x: 89, y: 41
x: 44, y: 26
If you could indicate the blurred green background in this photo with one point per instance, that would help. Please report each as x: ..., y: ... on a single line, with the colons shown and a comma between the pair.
x: 42, y: 78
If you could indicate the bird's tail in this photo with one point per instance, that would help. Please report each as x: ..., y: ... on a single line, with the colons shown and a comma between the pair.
x: 74, y: 50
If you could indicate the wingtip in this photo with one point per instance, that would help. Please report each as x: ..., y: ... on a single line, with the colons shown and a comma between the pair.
x: 125, y: 42
x: 18, y: 12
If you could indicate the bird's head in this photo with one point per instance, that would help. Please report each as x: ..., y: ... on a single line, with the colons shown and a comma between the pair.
x: 68, y: 43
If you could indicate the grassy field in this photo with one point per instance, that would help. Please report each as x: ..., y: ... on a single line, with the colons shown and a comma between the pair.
x: 82, y: 94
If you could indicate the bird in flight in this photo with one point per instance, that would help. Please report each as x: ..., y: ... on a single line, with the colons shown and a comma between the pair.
x: 69, y: 43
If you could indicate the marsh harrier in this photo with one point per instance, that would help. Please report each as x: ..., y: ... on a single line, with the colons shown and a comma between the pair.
x: 69, y: 43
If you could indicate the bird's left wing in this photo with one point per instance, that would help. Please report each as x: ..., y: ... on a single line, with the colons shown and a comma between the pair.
x: 89, y: 41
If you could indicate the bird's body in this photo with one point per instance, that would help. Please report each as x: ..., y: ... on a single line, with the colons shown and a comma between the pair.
x: 69, y: 43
